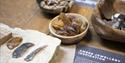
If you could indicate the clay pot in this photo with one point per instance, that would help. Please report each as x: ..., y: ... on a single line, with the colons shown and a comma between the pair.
x: 103, y: 11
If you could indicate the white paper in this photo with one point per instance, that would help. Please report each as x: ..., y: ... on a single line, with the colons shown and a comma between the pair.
x: 35, y: 37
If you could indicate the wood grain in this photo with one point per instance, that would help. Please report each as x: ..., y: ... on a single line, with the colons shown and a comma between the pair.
x: 26, y: 14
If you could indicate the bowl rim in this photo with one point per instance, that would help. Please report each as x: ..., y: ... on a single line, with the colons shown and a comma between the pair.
x: 60, y: 36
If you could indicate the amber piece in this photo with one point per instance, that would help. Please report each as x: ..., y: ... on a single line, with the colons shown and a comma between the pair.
x: 71, y: 31
x: 76, y: 26
x: 14, y: 42
x: 62, y: 19
x: 68, y: 25
x: 34, y: 53
x: 58, y: 24
x: 83, y: 27
x: 21, y: 50
x: 65, y: 19
x: 5, y: 34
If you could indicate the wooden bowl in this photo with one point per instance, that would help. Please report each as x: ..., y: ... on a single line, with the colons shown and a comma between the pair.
x: 70, y: 39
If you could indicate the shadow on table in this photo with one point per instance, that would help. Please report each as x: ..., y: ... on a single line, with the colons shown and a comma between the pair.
x: 38, y: 1
x: 113, y: 45
x: 48, y: 15
x: 58, y: 56
x: 88, y: 36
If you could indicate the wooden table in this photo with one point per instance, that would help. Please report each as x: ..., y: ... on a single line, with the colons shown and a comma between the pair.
x: 26, y: 14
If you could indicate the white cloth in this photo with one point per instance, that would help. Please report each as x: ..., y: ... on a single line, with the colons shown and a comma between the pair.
x: 35, y: 37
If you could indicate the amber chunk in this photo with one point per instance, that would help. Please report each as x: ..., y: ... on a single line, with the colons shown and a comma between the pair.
x: 5, y: 34
x: 14, y: 42
x: 69, y: 25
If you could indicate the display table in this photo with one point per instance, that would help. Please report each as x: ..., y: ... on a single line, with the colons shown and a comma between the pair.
x: 26, y: 14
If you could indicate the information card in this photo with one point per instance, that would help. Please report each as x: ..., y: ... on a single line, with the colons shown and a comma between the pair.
x: 85, y: 54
